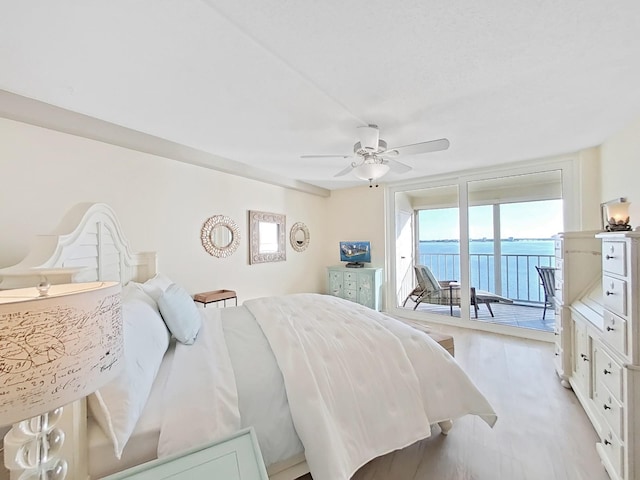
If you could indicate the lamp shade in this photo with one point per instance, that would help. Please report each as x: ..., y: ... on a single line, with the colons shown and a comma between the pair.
x: 618, y: 213
x: 371, y: 171
x: 57, y: 346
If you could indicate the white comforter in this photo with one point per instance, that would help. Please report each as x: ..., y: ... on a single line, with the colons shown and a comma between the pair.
x: 359, y: 383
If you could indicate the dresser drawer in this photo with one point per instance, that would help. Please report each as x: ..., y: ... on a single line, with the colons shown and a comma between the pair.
x: 613, y: 449
x: 557, y: 356
x: 350, y: 277
x: 558, y: 249
x: 615, y: 331
x: 614, y: 257
x: 609, y: 372
x: 615, y: 294
x: 351, y: 294
x: 610, y: 409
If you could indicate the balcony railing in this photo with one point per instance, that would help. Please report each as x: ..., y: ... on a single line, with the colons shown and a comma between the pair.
x: 519, y: 278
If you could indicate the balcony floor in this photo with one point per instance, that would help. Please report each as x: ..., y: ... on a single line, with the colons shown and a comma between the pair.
x: 524, y: 316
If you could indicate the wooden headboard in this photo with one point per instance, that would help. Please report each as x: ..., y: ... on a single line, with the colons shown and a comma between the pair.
x: 87, y: 246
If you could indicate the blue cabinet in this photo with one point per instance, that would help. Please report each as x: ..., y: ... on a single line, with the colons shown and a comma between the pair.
x: 360, y: 285
x: 236, y: 457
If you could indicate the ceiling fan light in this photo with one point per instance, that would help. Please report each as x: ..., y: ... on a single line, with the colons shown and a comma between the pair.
x: 370, y: 171
x: 369, y: 137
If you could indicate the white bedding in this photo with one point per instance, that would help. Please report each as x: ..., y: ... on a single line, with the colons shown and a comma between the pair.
x: 360, y: 384
x: 336, y: 442
x: 261, y: 397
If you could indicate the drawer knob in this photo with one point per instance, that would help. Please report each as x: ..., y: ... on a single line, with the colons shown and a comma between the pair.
x: 608, y: 293
x: 607, y: 372
x: 556, y: 354
x: 584, y: 357
x: 610, y: 329
x: 607, y: 442
x: 606, y: 407
x: 609, y: 257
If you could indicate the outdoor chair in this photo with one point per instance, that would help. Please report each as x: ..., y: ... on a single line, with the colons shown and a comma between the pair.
x: 430, y: 290
x: 447, y: 292
x: 548, y: 280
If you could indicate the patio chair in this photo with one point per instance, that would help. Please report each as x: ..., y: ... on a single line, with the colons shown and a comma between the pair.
x: 430, y: 290
x: 548, y: 280
x: 447, y: 292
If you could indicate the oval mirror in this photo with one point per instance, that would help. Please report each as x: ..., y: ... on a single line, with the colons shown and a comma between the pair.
x: 220, y: 236
x: 299, y: 237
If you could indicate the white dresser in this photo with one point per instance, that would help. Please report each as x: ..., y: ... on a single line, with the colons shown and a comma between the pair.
x: 605, y: 342
x: 578, y: 254
x: 360, y: 285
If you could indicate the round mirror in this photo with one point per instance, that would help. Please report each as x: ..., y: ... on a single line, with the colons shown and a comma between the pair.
x: 299, y: 237
x: 220, y: 236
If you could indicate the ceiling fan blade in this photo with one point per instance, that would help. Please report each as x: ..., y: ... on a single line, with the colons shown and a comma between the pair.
x: 396, y: 166
x: 325, y: 156
x: 344, y: 171
x: 422, y: 147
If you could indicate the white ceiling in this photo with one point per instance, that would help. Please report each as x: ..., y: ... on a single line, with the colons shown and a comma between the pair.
x: 262, y: 82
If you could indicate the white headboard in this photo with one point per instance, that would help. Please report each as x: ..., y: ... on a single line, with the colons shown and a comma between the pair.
x: 87, y: 246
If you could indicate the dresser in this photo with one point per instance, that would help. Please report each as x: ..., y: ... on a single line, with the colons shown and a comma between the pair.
x: 577, y: 254
x: 360, y: 285
x: 236, y: 457
x: 605, y: 343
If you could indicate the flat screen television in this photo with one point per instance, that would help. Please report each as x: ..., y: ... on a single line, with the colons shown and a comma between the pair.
x: 355, y: 253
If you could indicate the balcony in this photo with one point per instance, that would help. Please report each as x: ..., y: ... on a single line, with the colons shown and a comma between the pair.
x: 517, y: 279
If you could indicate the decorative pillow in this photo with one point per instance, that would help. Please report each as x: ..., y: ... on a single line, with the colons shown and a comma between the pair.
x: 117, y: 405
x: 156, y: 285
x: 180, y: 314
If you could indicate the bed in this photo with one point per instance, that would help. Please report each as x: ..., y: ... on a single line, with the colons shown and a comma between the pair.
x: 304, y: 370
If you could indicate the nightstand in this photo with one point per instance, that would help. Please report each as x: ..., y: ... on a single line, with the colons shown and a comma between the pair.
x: 236, y: 457
x: 215, y: 296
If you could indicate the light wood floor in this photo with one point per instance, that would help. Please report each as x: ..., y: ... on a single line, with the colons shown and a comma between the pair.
x: 542, y: 433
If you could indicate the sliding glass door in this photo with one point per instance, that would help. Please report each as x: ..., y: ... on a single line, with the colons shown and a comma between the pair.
x: 511, y: 224
x: 467, y: 250
x: 430, y: 282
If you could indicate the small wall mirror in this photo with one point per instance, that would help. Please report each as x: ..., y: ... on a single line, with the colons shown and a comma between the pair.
x: 220, y: 236
x: 299, y: 237
x: 267, y: 232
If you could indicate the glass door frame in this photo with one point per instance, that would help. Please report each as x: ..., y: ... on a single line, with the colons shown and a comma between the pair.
x: 570, y: 168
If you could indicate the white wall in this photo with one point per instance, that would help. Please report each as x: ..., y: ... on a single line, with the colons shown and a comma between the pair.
x: 620, y: 168
x: 356, y: 214
x: 161, y: 205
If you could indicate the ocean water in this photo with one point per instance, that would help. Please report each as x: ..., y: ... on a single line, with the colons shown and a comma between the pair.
x: 519, y: 257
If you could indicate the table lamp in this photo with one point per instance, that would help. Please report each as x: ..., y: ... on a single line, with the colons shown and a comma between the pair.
x: 58, y: 344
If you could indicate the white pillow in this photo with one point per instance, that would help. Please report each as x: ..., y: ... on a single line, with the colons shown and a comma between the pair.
x: 156, y: 285
x: 180, y: 314
x: 117, y: 405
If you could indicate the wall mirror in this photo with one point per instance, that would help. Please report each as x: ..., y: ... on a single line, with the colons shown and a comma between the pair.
x: 267, y: 232
x: 299, y: 237
x: 220, y: 236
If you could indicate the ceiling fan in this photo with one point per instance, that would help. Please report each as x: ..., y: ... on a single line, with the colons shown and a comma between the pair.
x: 374, y: 159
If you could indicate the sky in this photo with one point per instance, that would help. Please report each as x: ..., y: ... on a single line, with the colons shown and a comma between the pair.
x: 518, y: 220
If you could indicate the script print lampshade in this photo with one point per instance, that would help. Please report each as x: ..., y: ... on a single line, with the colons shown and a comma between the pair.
x: 57, y: 345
